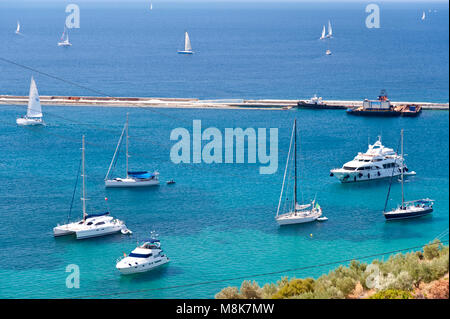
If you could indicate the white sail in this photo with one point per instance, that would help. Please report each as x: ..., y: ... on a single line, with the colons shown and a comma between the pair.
x: 18, y: 27
x: 423, y: 15
x: 34, y: 104
x: 187, y: 42
x: 151, y: 6
x: 330, y: 30
x: 323, y: 33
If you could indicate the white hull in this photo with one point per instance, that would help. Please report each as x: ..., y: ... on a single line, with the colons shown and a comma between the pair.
x: 29, y: 121
x: 108, y: 230
x: 298, y: 217
x: 64, y: 44
x: 143, y: 267
x: 185, y: 52
x: 130, y: 182
x: 346, y: 176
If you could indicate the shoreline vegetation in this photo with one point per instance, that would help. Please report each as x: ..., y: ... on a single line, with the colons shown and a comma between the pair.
x: 415, y: 275
x: 271, y: 104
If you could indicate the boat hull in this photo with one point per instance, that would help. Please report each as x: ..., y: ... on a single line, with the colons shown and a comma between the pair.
x: 24, y: 121
x: 299, y: 218
x: 130, y: 183
x: 375, y: 113
x: 97, y: 232
x: 143, y: 267
x: 314, y: 106
x: 407, y: 215
x: 185, y: 52
x: 357, y: 176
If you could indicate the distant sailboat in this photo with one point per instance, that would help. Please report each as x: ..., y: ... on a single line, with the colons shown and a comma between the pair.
x: 64, y: 39
x: 423, y: 16
x: 18, y: 28
x: 151, y: 5
x: 330, y: 30
x: 187, y: 45
x: 323, y: 33
x: 34, y: 110
x: 328, y: 52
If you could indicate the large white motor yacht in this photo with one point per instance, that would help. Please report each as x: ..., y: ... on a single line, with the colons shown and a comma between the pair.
x: 376, y: 163
x: 143, y: 258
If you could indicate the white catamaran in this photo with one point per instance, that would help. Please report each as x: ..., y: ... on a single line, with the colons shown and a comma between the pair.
x: 187, y: 45
x: 411, y: 209
x: 92, y: 225
x: 34, y: 110
x: 132, y: 179
x: 297, y: 214
x: 64, y: 39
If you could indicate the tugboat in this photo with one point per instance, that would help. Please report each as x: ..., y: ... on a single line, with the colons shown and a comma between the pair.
x: 380, y: 107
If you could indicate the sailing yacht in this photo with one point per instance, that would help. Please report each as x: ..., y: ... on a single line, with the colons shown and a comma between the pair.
x: 91, y: 225
x: 34, y: 110
x: 423, y: 16
x: 151, y: 5
x: 18, y: 28
x: 376, y: 163
x: 132, y: 179
x: 330, y: 30
x: 187, y: 45
x: 323, y: 34
x: 65, y: 39
x: 297, y: 213
x: 328, y: 52
x: 145, y: 257
x: 411, y: 209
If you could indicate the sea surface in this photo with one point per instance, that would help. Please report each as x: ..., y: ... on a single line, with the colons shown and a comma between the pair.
x: 217, y: 221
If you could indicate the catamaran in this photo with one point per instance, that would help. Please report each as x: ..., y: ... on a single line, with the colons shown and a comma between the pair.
x: 133, y: 178
x: 330, y: 30
x: 145, y: 257
x: 297, y: 213
x: 323, y: 34
x: 411, y: 209
x: 34, y: 110
x: 18, y: 28
x: 187, y: 45
x: 91, y: 225
x: 65, y: 39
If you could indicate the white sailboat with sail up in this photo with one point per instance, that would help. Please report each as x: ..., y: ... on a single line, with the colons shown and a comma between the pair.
x: 323, y: 33
x: 187, y: 45
x: 91, y: 225
x: 297, y: 213
x: 423, y: 16
x: 411, y: 209
x: 151, y: 5
x: 330, y: 30
x: 132, y: 178
x: 18, y: 28
x: 65, y: 39
x: 34, y: 110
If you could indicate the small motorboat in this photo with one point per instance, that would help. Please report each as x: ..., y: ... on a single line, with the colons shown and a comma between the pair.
x: 322, y: 219
x: 170, y: 182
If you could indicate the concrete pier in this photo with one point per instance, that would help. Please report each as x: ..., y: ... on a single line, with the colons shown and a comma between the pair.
x: 190, y: 102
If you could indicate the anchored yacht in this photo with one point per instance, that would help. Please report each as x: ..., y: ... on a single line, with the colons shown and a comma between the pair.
x: 93, y: 225
x: 376, y: 163
x: 143, y: 258
x: 296, y: 213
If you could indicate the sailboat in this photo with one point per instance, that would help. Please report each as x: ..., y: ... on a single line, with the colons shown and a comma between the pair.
x: 132, y: 179
x: 323, y: 33
x: 423, y: 16
x: 151, y: 5
x: 65, y: 39
x: 330, y: 30
x: 18, y: 28
x: 328, y: 52
x: 34, y: 110
x: 297, y: 214
x: 91, y: 225
x: 187, y: 45
x: 411, y: 209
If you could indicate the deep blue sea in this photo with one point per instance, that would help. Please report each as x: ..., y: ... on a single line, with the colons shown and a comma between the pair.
x: 217, y: 221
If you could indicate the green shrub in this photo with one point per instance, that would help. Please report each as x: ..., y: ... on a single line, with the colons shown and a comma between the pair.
x: 295, y: 287
x: 392, y: 294
x: 432, y: 250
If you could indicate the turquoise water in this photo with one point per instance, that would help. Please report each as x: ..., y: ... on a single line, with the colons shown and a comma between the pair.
x: 217, y: 221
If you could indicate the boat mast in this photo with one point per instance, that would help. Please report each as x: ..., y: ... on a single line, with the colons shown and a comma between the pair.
x: 402, y: 168
x: 295, y: 164
x: 127, y: 148
x: 83, y: 199
x: 285, y: 170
